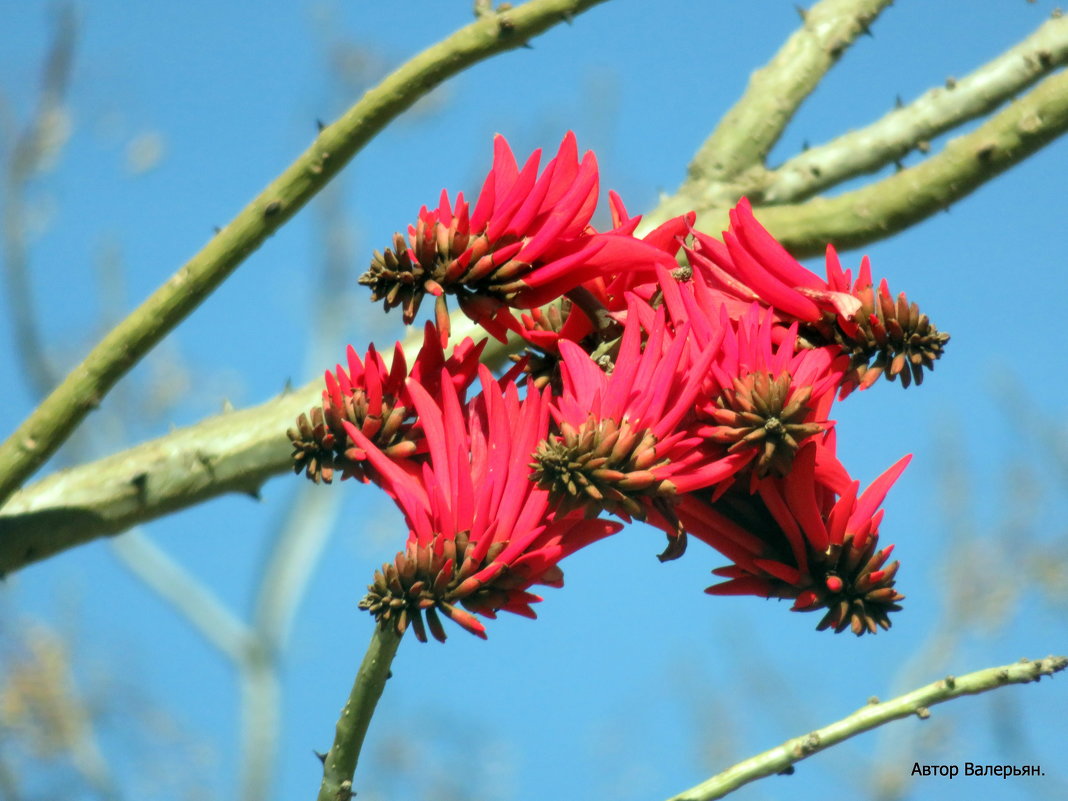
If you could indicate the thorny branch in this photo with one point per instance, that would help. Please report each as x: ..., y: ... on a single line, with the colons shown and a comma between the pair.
x: 918, y: 702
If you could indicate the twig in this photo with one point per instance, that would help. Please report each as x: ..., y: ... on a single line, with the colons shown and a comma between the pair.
x: 881, y: 209
x: 339, y: 765
x: 82, y: 390
x: 917, y: 702
x: 913, y: 126
x: 747, y: 133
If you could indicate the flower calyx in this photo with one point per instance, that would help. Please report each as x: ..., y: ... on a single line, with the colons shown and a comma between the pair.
x: 600, y: 466
x: 856, y: 589
x: 767, y: 414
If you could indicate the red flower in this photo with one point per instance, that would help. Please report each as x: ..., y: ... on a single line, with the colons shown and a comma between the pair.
x: 808, y: 536
x: 480, y: 533
x: 373, y: 397
x: 766, y: 399
x: 526, y: 242
x: 623, y: 446
x: 749, y: 265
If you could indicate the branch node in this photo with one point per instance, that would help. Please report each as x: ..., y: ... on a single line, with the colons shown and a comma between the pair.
x: 950, y: 682
x: 272, y: 208
x: 923, y: 713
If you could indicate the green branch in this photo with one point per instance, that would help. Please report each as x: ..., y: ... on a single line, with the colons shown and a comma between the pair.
x: 49, y: 425
x: 747, y: 133
x: 913, y: 126
x: 886, y: 207
x: 339, y: 764
x: 917, y: 702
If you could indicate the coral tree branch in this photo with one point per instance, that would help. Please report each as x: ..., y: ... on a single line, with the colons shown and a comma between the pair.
x: 886, y: 207
x: 917, y: 702
x: 49, y: 425
x: 339, y: 764
x: 913, y: 126
x: 747, y: 133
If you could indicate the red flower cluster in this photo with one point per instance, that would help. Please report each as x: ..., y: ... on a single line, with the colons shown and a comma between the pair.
x: 694, y: 397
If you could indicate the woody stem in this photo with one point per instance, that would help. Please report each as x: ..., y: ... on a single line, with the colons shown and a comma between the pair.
x: 339, y: 765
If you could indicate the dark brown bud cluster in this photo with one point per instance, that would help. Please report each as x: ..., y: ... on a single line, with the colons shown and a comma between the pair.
x: 891, y: 338
x: 766, y: 414
x: 601, y: 466
x: 857, y: 591
x: 321, y: 446
x: 426, y: 581
x: 447, y: 259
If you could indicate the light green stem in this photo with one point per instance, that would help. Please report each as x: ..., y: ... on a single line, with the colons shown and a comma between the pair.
x: 339, y: 766
x: 917, y: 702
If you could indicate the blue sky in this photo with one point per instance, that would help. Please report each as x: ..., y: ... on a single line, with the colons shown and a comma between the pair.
x: 632, y: 684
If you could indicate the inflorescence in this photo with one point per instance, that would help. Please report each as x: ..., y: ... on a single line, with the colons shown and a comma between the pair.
x: 695, y: 396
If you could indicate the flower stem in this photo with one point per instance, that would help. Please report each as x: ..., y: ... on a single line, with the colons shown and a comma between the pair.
x: 339, y: 766
x: 917, y: 702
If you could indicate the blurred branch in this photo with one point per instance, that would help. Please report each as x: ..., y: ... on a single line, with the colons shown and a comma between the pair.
x: 183, y: 591
x: 913, y: 126
x: 746, y: 134
x: 33, y: 148
x: 917, y: 702
x: 339, y: 765
x: 82, y: 390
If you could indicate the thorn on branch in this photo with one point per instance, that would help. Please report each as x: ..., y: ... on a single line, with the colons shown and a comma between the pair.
x: 985, y: 153
x: 789, y: 770
x: 140, y: 485
x: 874, y: 700
x: 801, y: 12
x: 898, y: 102
x: 950, y: 682
x: 951, y: 82
x: 321, y: 756
x: 320, y: 125
x: 923, y: 146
